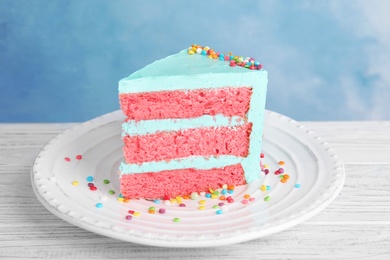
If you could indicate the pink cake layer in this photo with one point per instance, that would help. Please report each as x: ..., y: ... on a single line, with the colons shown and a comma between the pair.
x: 180, y: 144
x: 174, y: 183
x: 229, y: 101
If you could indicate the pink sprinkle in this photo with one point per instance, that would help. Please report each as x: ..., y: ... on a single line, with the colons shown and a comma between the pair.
x: 244, y: 201
x: 129, y: 217
x: 67, y: 159
x: 252, y: 199
x: 221, y: 204
x: 182, y: 205
x: 79, y: 157
x: 161, y: 211
x: 91, y: 184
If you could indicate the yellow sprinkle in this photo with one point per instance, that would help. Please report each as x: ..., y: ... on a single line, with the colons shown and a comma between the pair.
x: 202, y: 207
x: 263, y: 188
x: 173, y: 200
x: 75, y: 183
x: 136, y: 214
x: 179, y: 199
x: 211, y: 190
x: 213, y: 196
x: 121, y: 199
x: 202, y: 202
x: 191, y: 52
x: 206, y: 48
x: 265, y: 166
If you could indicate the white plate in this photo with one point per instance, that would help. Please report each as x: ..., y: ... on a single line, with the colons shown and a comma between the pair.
x: 309, y: 161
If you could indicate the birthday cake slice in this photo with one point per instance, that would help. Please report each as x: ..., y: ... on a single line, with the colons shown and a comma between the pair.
x: 194, y: 122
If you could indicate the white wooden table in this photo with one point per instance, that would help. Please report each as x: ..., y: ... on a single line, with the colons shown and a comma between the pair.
x: 355, y: 225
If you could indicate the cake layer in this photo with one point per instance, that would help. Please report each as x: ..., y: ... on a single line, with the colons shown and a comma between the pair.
x: 168, y: 145
x: 174, y: 183
x: 229, y: 101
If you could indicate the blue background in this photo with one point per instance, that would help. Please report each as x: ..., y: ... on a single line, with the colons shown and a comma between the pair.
x: 60, y: 61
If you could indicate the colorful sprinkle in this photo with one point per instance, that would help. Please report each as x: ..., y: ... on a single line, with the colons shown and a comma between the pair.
x: 79, y: 157
x: 75, y: 183
x: 194, y: 195
x: 202, y: 207
x: 106, y: 181
x: 182, y: 205
x: 99, y: 205
x: 202, y: 202
x: 244, y: 201
x: 111, y: 192
x: 93, y: 188
x: 89, y: 178
x: 136, y: 214
x: 219, y: 211
x: 281, y: 163
x: 67, y: 159
x: 131, y: 211
x: 176, y: 220
x: 129, y: 217
x: 267, y: 198
x: 297, y: 185
x: 263, y: 188
x: 161, y: 211
x: 233, y: 60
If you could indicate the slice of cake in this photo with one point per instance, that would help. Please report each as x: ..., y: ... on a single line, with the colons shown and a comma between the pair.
x: 194, y: 121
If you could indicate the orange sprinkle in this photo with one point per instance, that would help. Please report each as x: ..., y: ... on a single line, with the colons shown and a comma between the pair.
x: 222, y: 197
x: 231, y: 187
x: 283, y: 180
x: 247, y: 196
x: 286, y: 176
x: 152, y: 211
x: 126, y: 200
x: 186, y: 197
x: 281, y: 163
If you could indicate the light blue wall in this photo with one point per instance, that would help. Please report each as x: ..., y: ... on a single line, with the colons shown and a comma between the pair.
x: 61, y: 60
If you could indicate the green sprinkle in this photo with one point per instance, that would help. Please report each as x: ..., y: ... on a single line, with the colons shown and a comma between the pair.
x: 152, y: 208
x: 267, y: 198
x: 215, y: 207
x: 111, y: 192
x: 176, y: 220
x: 106, y: 181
